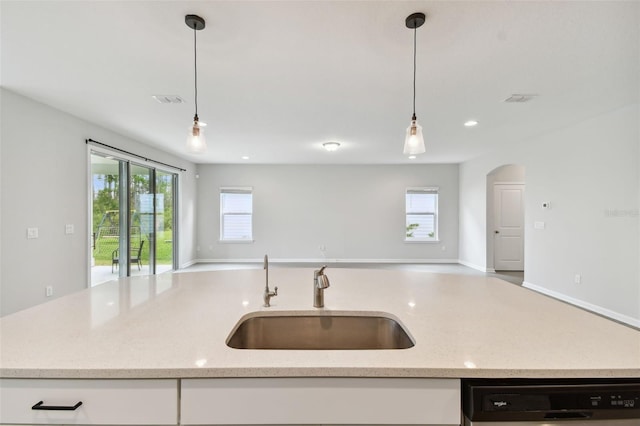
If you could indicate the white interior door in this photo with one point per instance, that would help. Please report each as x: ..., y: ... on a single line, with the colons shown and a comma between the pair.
x: 508, y: 246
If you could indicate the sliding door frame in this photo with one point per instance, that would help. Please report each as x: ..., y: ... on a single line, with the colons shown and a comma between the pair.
x: 124, y: 189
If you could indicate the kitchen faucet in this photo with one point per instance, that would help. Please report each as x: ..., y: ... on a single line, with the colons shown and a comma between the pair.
x: 268, y: 294
x: 320, y: 282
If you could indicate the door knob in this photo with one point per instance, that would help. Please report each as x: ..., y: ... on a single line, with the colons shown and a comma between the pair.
x: 496, y: 231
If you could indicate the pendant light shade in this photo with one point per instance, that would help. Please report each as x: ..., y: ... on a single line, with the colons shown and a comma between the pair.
x: 414, y: 141
x: 196, y: 142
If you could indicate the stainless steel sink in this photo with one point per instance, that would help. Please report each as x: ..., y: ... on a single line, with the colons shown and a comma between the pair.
x: 319, y: 332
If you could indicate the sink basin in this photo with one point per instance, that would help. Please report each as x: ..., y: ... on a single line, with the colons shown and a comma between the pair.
x: 319, y: 332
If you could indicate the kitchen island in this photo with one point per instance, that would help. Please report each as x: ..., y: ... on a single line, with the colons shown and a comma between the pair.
x: 175, y: 325
x: 152, y: 350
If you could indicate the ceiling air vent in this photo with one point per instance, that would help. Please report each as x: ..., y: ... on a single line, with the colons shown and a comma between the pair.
x: 519, y: 98
x: 168, y: 99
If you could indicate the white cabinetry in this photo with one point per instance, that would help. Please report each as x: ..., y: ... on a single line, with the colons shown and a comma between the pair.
x: 113, y: 402
x: 320, y: 401
x: 233, y: 401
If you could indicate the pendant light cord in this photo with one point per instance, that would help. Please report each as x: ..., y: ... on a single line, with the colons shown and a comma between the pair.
x: 414, y: 71
x: 195, y: 69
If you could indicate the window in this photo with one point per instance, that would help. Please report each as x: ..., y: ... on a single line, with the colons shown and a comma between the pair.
x: 236, y: 209
x: 421, y: 214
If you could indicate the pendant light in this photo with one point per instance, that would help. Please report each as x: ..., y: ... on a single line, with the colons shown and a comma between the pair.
x: 414, y: 142
x: 196, y: 142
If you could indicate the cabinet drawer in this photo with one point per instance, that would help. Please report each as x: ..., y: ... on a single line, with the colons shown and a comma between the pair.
x: 320, y: 401
x: 114, y: 402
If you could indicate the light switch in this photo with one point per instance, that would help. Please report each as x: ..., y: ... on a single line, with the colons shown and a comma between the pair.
x: 538, y: 225
x: 68, y: 229
x: 32, y: 233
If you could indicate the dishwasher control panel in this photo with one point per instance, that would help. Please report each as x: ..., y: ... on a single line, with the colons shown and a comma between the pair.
x: 570, y: 399
x: 619, y: 401
x: 532, y: 399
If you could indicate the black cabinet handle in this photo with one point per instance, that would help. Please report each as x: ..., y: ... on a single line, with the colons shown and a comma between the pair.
x: 39, y: 406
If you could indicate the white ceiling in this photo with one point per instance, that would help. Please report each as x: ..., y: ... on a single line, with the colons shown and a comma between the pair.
x: 279, y: 78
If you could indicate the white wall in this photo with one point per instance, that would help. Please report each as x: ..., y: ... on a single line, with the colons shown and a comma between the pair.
x: 356, y: 212
x: 187, y: 211
x: 44, y: 185
x: 586, y: 171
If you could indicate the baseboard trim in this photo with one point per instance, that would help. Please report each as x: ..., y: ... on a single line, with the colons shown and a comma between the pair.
x: 327, y: 260
x: 473, y: 266
x: 585, y: 305
x: 187, y: 264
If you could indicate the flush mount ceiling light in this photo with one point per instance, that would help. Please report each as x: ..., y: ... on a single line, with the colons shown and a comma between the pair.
x: 470, y: 123
x: 196, y: 142
x: 331, y: 146
x: 414, y: 141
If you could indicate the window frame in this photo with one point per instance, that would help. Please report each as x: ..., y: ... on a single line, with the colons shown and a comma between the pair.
x: 230, y: 190
x: 436, y: 225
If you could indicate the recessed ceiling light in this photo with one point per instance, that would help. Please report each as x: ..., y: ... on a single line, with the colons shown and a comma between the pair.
x: 331, y: 146
x: 244, y: 157
x: 412, y: 157
x: 471, y: 123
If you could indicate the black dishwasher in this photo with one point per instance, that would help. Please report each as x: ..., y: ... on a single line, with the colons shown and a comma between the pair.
x: 551, y: 402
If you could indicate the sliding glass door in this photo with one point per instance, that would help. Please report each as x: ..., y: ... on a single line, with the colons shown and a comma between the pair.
x: 166, y: 231
x: 106, y: 189
x: 140, y: 241
x: 141, y: 219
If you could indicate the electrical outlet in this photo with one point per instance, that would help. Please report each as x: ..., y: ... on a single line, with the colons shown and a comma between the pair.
x: 69, y: 229
x: 444, y: 248
x: 577, y: 278
x: 48, y: 291
x: 32, y: 233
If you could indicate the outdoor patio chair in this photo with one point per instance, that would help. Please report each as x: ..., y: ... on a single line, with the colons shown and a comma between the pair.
x: 136, y: 256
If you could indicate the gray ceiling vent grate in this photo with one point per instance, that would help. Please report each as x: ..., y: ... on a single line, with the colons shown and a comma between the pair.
x: 519, y: 98
x: 168, y: 99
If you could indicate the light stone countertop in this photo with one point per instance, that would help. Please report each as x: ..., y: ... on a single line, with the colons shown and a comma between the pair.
x: 175, y: 326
